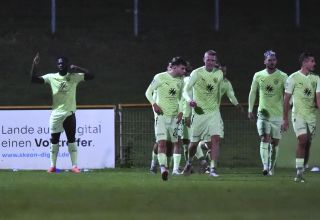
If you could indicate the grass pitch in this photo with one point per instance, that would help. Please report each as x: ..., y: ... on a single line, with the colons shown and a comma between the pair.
x: 136, y: 194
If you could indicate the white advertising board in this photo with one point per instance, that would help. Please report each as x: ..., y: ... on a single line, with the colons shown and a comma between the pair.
x: 25, y: 140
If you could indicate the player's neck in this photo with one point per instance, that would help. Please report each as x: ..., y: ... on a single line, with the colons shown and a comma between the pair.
x: 174, y: 75
x: 304, y: 71
x: 209, y: 69
x: 63, y: 73
x: 270, y: 71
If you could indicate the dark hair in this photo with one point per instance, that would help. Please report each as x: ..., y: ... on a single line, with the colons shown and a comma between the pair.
x: 222, y: 65
x: 178, y: 61
x: 65, y: 59
x: 189, y: 67
x: 303, y: 56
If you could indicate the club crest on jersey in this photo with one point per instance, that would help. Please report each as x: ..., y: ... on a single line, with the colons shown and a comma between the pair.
x: 269, y: 89
x: 307, y: 92
x: 209, y: 88
x: 63, y: 87
x: 276, y: 81
x: 172, y: 92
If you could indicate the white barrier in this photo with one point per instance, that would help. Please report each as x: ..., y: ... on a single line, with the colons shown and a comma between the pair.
x: 25, y: 140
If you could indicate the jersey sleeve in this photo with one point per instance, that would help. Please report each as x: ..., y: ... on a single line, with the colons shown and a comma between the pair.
x: 318, y: 84
x: 151, y: 90
x: 289, y: 85
x: 253, y: 93
x: 46, y: 78
x: 231, y: 95
x: 78, y: 77
x: 187, y: 90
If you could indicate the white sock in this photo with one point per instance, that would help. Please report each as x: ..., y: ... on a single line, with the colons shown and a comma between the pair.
x: 54, y: 149
x: 264, y: 154
x: 154, y: 159
x: 176, y: 161
x: 199, y: 153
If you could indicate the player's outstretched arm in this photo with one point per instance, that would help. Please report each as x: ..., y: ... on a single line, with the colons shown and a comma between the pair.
x: 35, y: 78
x: 87, y: 74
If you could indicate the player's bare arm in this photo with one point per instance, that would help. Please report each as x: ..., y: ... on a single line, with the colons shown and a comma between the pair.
x: 35, y: 78
x: 157, y: 109
x: 179, y: 117
x: 87, y: 74
x: 318, y: 99
x: 287, y: 97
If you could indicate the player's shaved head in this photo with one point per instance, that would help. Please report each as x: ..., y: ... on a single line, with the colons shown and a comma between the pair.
x: 63, y: 59
x: 210, y: 52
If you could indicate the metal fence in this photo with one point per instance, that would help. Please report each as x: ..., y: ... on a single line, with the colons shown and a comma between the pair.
x: 135, y: 137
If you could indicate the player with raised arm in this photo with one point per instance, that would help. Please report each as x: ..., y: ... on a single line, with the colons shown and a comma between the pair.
x: 304, y: 88
x: 166, y: 105
x: 63, y: 86
x: 202, y: 92
x: 270, y: 84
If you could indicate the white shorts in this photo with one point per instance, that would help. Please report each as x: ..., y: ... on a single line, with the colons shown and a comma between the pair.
x: 271, y: 127
x: 166, y: 128
x: 203, y: 127
x: 56, y: 121
x: 301, y: 126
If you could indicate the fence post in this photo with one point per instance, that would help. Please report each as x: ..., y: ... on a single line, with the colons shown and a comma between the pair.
x: 297, y: 18
x: 53, y: 16
x: 136, y: 18
x: 121, y: 148
x: 216, y: 16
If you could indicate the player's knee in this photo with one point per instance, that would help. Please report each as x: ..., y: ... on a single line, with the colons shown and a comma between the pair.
x: 275, y: 142
x: 72, y: 147
x: 71, y: 139
x: 54, y: 140
x: 303, y: 140
x: 54, y: 148
x: 265, y: 138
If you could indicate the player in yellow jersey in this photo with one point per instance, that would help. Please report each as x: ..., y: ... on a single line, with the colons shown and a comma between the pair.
x: 270, y: 84
x: 225, y: 89
x: 202, y: 92
x: 166, y: 105
x: 304, y: 88
x: 63, y: 86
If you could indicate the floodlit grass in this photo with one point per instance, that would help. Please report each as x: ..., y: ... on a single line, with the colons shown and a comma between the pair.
x: 136, y: 194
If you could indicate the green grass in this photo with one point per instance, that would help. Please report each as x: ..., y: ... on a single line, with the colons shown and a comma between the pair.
x: 136, y: 194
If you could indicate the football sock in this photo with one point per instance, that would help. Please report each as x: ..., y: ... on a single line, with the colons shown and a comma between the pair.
x: 73, y: 151
x: 54, y: 149
x: 299, y: 165
x: 154, y: 159
x: 264, y: 154
x: 162, y: 158
x: 176, y: 161
x: 199, y: 153
x: 274, y: 152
